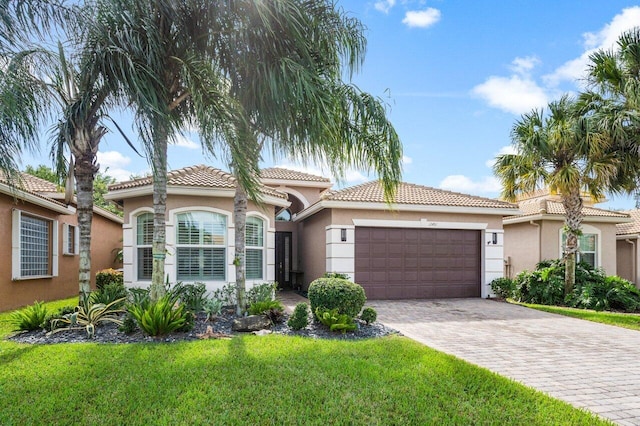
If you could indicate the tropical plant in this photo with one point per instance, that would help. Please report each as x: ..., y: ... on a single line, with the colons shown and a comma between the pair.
x: 212, y: 307
x: 48, y: 322
x: 335, y: 321
x: 563, y: 152
x: 226, y: 294
x: 108, y: 276
x: 30, y: 318
x: 272, y: 309
x: 88, y: 316
x: 502, y: 287
x: 157, y: 318
x: 369, y: 315
x: 129, y: 324
x: 193, y: 296
x: 300, y: 317
x: 262, y: 292
x: 335, y: 293
x: 110, y: 293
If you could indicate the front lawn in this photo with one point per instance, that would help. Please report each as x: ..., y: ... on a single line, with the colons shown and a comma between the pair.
x: 631, y: 321
x: 261, y: 380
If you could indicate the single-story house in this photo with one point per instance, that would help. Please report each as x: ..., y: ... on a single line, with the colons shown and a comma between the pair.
x: 537, y: 233
x: 429, y: 243
x: 628, y: 238
x: 41, y: 238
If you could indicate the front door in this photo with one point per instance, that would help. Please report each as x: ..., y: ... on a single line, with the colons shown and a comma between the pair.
x: 283, y: 259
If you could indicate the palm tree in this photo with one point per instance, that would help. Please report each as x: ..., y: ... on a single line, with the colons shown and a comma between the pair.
x: 560, y: 151
x: 296, y: 103
x: 178, y: 63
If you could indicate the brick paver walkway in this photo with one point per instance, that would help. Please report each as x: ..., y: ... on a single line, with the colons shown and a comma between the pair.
x: 589, y: 365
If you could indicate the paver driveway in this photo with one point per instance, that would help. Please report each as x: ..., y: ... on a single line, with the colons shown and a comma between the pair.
x: 589, y: 365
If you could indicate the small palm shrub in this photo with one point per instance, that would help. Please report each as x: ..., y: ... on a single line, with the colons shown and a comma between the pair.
x: 369, y: 315
x: 159, y: 318
x: 30, y: 318
x: 336, y: 293
x: 503, y: 287
x: 88, y: 316
x: 300, y: 317
x: 109, y: 293
x: 335, y: 320
x: 108, y: 276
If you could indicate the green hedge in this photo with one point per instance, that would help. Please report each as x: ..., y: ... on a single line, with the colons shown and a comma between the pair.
x: 336, y: 293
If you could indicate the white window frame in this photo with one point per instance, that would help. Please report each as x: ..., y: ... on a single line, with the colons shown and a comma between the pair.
x: 65, y: 240
x: 137, y: 246
x: 586, y: 230
x: 223, y: 246
x: 16, y: 246
x: 262, y: 248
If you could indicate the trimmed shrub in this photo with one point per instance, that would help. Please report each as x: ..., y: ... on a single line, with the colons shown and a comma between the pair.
x: 108, y: 276
x: 300, y: 317
x: 336, y: 293
x: 503, y: 287
x: 369, y: 315
x: 30, y: 318
x: 335, y: 275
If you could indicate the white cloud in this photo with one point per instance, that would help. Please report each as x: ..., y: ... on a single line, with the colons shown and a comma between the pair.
x: 523, y: 66
x: 606, y: 38
x: 508, y: 149
x: 421, y: 18
x: 516, y: 94
x: 461, y: 183
x: 406, y: 160
x: 384, y: 6
x: 114, y: 164
x: 183, y: 141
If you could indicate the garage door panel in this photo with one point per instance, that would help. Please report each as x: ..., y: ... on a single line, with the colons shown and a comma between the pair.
x: 395, y: 263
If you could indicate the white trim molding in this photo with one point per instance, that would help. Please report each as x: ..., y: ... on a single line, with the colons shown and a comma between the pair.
x: 340, y: 255
x: 422, y: 223
x: 492, y: 264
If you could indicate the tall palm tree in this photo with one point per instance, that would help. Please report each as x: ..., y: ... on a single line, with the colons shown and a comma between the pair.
x: 560, y: 151
x: 178, y: 63
x: 295, y: 101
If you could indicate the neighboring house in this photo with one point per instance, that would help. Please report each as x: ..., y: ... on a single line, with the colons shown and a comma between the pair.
x: 537, y: 234
x: 628, y: 253
x: 40, y: 237
x: 429, y: 243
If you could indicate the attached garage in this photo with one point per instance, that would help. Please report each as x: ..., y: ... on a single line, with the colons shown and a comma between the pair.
x: 403, y: 263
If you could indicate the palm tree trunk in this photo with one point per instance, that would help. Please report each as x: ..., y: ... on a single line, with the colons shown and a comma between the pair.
x: 240, y: 223
x: 572, y: 203
x: 159, y: 163
x: 85, y: 171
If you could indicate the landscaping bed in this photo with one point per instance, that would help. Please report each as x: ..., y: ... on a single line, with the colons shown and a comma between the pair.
x: 109, y: 333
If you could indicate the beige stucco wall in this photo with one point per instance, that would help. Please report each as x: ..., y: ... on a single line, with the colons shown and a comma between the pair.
x: 346, y: 216
x: 626, y: 262
x: 312, y: 245
x: 105, y: 236
x: 521, y: 247
x: 520, y: 236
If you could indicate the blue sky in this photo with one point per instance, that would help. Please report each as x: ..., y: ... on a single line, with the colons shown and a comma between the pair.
x: 455, y: 75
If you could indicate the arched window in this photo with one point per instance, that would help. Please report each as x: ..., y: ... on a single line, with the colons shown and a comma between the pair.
x: 254, y: 251
x: 144, y: 241
x: 284, y: 215
x: 201, y: 246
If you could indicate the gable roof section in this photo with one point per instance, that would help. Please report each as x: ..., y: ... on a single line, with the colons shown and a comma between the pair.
x: 554, y: 210
x: 279, y: 176
x: 409, y: 197
x: 632, y: 227
x: 408, y: 193
x: 188, y: 178
x: 29, y: 192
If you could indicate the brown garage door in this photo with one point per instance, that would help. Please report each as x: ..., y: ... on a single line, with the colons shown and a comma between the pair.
x: 398, y: 263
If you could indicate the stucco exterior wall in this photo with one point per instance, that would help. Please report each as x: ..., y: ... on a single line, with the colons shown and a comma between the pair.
x: 521, y: 241
x: 181, y: 203
x: 521, y: 247
x: 346, y: 216
x: 312, y: 244
x: 627, y: 259
x: 106, y: 236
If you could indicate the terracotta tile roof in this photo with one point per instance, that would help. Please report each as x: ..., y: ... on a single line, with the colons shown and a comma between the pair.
x: 199, y: 176
x: 547, y: 206
x: 408, y: 193
x: 32, y: 183
x: 631, y: 227
x: 280, y: 173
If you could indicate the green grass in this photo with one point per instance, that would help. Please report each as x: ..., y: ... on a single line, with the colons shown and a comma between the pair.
x: 261, y: 380
x: 631, y: 321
